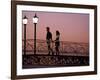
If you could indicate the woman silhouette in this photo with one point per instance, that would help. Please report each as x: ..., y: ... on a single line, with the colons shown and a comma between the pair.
x: 57, y: 42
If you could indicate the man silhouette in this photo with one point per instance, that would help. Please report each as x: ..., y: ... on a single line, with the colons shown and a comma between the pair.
x: 49, y: 40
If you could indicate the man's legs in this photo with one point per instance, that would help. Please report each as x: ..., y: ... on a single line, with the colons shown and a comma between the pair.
x: 49, y: 48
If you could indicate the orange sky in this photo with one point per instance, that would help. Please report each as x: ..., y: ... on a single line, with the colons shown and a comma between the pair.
x: 72, y: 26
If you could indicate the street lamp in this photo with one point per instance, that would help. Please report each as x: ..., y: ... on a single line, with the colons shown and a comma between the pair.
x: 25, y: 20
x: 35, y: 21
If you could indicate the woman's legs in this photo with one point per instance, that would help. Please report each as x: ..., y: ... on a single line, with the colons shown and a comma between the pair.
x: 57, y: 50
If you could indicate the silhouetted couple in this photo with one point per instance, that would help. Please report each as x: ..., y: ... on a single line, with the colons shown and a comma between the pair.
x: 49, y: 42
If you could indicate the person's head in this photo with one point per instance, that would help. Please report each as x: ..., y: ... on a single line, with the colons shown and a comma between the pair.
x: 57, y: 32
x: 48, y: 29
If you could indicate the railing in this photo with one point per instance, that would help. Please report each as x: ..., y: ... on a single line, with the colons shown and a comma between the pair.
x: 43, y: 61
x: 65, y: 47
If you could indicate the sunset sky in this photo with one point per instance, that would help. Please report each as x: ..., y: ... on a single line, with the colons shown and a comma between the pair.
x: 72, y: 26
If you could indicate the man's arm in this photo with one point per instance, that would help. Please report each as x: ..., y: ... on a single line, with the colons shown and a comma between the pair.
x: 51, y: 36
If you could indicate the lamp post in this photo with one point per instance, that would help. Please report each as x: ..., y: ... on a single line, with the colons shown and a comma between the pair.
x: 35, y: 21
x: 25, y: 20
